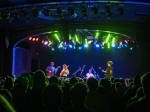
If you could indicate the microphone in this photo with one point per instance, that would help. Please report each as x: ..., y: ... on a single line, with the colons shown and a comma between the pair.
x: 99, y: 67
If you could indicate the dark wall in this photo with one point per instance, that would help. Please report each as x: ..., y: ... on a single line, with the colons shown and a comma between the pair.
x: 22, y: 61
x: 1, y: 61
x: 144, y: 59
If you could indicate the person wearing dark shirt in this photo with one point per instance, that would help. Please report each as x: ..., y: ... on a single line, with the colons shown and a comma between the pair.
x: 109, y: 70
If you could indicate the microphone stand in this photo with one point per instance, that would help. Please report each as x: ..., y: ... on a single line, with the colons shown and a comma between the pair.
x: 76, y: 71
x: 95, y: 72
x: 82, y: 70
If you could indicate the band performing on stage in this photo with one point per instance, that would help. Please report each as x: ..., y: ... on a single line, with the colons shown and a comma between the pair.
x: 51, y: 71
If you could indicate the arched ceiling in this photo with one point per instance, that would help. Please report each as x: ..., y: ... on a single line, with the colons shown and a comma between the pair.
x: 135, y: 17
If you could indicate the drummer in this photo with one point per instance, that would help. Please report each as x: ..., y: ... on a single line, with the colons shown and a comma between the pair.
x: 89, y: 74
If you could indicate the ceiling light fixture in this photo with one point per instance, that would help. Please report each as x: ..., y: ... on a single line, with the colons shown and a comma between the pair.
x: 120, y: 9
x: 108, y: 11
x: 84, y: 11
x: 94, y: 9
x: 70, y: 10
x: 15, y: 15
x: 46, y: 12
x: 58, y: 10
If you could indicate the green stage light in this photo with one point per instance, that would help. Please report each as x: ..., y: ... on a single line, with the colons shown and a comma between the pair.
x: 107, y: 38
x: 97, y: 34
x: 108, y: 45
x: 113, y: 41
x: 57, y: 37
x: 77, y: 39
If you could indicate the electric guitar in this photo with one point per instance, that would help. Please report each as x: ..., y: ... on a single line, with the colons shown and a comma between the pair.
x: 101, y: 69
x: 64, y: 71
x: 51, y: 72
x: 104, y: 70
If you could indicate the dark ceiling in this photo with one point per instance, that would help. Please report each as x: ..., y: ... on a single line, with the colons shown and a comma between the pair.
x: 135, y: 17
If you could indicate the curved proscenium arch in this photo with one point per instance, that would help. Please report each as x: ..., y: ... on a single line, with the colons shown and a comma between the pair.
x: 14, y: 48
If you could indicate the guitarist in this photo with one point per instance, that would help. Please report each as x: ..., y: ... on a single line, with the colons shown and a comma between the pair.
x: 51, y: 70
x: 64, y: 71
x: 109, y: 70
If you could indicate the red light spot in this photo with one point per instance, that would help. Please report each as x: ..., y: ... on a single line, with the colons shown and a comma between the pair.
x: 37, y: 53
x: 37, y: 39
x: 33, y: 39
x: 30, y: 38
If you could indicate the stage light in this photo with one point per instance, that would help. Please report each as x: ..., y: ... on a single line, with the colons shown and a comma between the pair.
x: 114, y: 45
x: 37, y: 39
x: 59, y: 46
x: 85, y: 45
x: 24, y: 13
x: 49, y: 45
x: 33, y: 39
x: 113, y: 42
x: 70, y: 10
x: 46, y: 42
x: 53, y: 49
x: 86, y: 42
x: 108, y: 45
x: 120, y: 44
x: 125, y: 41
x: 108, y: 10
x: 103, y: 43
x: 35, y: 13
x: 70, y: 46
x: 77, y: 39
x: 97, y: 45
x: 79, y: 48
x: 130, y: 48
x: 5, y: 14
x: 15, y: 15
x: 42, y: 41
x: 94, y: 9
x: 83, y: 10
x: 107, y: 38
x: 97, y: 34
x: 30, y: 38
x: 120, y: 9
x: 58, y: 10
x: 125, y: 45
x: 57, y: 37
x: 46, y: 12
x: 90, y: 41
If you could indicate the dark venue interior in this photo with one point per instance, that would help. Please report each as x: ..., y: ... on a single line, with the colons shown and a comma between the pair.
x: 81, y: 34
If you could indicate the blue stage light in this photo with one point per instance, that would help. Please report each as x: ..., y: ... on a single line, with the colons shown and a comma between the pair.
x: 70, y: 46
x: 80, y: 48
x: 53, y: 49
x: 85, y: 45
x: 97, y: 45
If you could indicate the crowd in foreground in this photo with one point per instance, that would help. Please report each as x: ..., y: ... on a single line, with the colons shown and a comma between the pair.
x: 34, y: 92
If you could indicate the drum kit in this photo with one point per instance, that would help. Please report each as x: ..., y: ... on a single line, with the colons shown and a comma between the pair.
x: 88, y: 75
